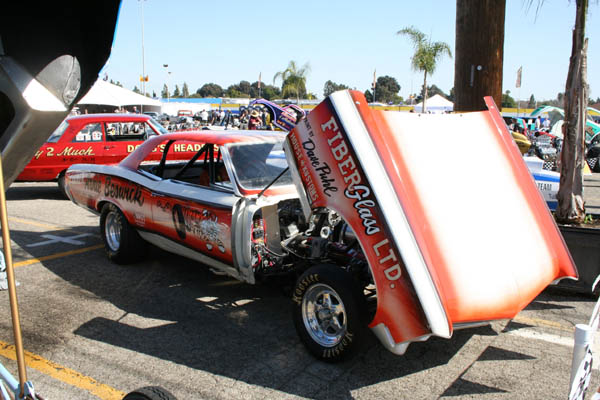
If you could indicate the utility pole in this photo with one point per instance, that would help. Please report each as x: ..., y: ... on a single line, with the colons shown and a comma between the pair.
x: 479, y: 53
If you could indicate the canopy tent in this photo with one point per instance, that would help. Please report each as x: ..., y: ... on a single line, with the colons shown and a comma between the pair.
x: 104, y: 93
x: 435, y: 104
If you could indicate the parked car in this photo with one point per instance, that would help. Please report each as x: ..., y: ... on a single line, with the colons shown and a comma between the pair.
x: 89, y: 138
x: 348, y: 207
x: 152, y: 114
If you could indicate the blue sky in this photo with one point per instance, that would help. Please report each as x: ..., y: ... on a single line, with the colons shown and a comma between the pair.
x: 343, y: 41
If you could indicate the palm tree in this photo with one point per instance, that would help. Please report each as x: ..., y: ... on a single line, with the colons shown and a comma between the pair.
x: 427, y: 54
x: 571, y: 208
x: 293, y: 79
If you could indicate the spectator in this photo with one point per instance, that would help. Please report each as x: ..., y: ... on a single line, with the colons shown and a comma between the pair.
x: 547, y: 124
x: 254, y: 122
x: 204, y: 117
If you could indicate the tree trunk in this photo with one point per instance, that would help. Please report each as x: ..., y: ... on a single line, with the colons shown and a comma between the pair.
x: 424, y: 91
x: 479, y: 53
x: 570, y: 194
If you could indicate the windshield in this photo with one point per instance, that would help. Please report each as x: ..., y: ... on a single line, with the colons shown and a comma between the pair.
x: 257, y: 164
x: 58, y: 132
x: 158, y: 127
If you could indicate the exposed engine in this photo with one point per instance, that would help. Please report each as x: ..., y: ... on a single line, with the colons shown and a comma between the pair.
x: 298, y: 243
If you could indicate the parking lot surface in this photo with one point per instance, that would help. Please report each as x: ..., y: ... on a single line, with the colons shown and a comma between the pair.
x: 93, y: 329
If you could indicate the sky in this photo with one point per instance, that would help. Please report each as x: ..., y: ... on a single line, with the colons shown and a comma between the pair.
x: 342, y: 41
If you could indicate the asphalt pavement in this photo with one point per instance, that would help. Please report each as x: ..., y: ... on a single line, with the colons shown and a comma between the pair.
x: 93, y: 329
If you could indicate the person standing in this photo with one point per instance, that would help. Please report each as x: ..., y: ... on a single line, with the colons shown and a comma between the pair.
x: 254, y: 122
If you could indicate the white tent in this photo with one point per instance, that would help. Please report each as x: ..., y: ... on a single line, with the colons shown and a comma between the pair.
x: 104, y: 93
x: 435, y: 104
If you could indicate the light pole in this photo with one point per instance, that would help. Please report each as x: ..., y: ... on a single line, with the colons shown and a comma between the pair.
x: 143, y: 58
x: 166, y: 66
x: 143, y: 61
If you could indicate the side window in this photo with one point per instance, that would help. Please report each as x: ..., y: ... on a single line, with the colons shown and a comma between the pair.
x: 89, y: 133
x: 194, y: 163
x: 147, y: 130
x: 127, y: 131
x: 57, y: 134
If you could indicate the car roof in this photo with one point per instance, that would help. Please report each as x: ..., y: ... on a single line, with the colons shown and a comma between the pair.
x: 222, y: 137
x: 109, y: 117
x: 218, y: 138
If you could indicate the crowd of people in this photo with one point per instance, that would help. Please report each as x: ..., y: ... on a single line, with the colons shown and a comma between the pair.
x: 244, y: 118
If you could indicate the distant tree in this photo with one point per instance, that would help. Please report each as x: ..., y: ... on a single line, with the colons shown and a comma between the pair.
x: 119, y: 84
x: 293, y: 80
x: 153, y: 94
x: 268, y: 92
x: 331, y: 87
x: 236, y: 94
x: 508, y: 101
x: 426, y: 56
x: 386, y: 89
x: 368, y: 96
x: 176, y: 92
x: 243, y: 88
x: 432, y: 91
x: 532, y: 102
x: 136, y: 90
x: 451, y: 95
x: 164, y: 93
x: 185, y: 91
x: 210, y: 90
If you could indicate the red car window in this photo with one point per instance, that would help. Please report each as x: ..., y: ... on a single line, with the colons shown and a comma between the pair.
x: 89, y: 133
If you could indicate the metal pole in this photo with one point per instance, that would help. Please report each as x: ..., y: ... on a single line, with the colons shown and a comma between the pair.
x: 12, y: 291
x: 143, y: 60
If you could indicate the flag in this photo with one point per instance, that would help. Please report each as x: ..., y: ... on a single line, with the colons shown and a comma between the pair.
x: 519, y: 73
x: 374, y: 79
x: 259, y: 76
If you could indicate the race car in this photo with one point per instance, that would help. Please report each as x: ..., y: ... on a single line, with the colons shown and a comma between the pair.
x: 347, y: 207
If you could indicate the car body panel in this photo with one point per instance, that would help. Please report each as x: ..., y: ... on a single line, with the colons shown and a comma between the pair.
x: 199, y: 221
x: 434, y: 263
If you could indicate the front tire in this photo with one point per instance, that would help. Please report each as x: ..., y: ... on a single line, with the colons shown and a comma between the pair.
x: 150, y: 393
x: 61, y: 185
x: 122, y: 242
x: 328, y: 312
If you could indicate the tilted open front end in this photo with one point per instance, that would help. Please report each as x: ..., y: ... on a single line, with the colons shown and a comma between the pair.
x: 447, y: 244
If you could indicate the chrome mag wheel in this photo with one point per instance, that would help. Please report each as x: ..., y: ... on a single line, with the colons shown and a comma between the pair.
x: 324, y: 315
x: 112, y: 231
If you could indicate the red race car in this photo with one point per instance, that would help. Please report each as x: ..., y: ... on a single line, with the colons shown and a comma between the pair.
x: 349, y: 207
x: 89, y: 138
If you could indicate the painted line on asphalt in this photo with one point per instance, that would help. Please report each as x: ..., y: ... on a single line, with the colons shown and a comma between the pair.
x: 41, y: 224
x: 57, y: 255
x: 35, y: 223
x: 542, y: 323
x: 63, y: 374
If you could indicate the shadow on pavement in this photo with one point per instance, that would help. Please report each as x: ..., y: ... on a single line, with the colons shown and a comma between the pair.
x: 176, y: 310
x: 43, y: 191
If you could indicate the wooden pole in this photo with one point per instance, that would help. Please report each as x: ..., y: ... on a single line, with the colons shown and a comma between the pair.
x: 479, y: 53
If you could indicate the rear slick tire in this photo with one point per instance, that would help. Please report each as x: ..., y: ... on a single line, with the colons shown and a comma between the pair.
x: 122, y: 243
x: 329, y: 313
